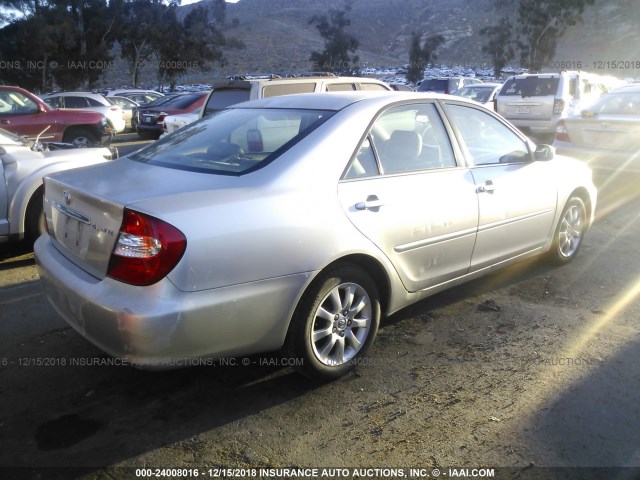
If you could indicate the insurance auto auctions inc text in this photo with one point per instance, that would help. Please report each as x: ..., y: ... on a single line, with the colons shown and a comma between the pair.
x: 276, y: 473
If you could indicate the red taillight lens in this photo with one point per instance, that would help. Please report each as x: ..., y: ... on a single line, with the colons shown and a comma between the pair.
x: 561, y: 132
x: 147, y: 249
x: 161, y: 116
x: 558, y: 107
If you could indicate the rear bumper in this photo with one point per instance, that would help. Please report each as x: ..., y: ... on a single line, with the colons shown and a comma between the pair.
x: 535, y: 126
x: 148, y: 129
x: 161, y: 327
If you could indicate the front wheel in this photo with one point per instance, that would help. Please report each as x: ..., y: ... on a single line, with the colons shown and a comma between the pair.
x: 570, y: 232
x: 335, y: 323
x: 80, y: 138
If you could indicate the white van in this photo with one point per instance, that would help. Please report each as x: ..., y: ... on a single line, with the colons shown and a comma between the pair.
x: 226, y: 93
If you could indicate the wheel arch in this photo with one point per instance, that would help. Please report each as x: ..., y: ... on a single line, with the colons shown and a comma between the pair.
x: 36, y: 197
x: 584, y: 195
x: 23, y: 200
x: 79, y: 127
x: 369, y: 264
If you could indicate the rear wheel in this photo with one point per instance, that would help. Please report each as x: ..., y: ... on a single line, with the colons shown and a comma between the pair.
x: 80, y: 137
x: 335, y: 323
x: 570, y: 232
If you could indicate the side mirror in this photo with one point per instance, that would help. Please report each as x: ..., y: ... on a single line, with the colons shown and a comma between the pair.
x: 544, y: 152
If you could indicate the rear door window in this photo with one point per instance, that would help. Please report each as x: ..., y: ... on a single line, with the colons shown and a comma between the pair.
x: 288, y: 89
x: 373, y: 86
x: 340, y: 87
x: 75, y: 102
x: 224, y: 98
x: 406, y: 138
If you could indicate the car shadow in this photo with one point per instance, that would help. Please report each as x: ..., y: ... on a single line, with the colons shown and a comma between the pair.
x: 504, y: 278
x: 97, y: 416
x: 603, y: 404
x: 20, y: 253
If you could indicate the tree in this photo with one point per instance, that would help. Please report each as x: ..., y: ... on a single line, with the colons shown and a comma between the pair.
x: 61, y: 42
x: 421, y: 55
x: 499, y: 44
x: 138, y: 24
x: 541, y: 23
x: 339, y: 46
x: 196, y: 44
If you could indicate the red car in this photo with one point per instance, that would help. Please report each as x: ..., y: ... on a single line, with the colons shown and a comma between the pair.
x: 26, y: 115
x: 150, y: 118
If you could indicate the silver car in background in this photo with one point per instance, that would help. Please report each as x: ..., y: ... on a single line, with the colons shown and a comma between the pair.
x: 606, y: 135
x: 297, y: 222
x: 483, y: 93
x: 23, y: 163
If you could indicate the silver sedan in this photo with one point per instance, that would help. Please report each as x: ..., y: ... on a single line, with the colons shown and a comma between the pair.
x: 607, y: 134
x: 296, y: 223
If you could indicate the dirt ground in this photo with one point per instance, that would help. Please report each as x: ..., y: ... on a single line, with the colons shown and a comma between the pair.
x: 530, y: 368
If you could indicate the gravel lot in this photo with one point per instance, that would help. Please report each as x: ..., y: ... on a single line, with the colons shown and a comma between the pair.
x: 528, y: 368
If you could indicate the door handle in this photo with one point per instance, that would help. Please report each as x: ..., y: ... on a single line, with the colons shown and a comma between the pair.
x: 371, y: 203
x: 488, y: 187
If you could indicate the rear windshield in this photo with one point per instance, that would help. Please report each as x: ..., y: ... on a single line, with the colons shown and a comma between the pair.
x: 531, y: 86
x: 224, y: 98
x: 183, y: 101
x: 434, y: 86
x: 234, y: 141
x: 475, y: 92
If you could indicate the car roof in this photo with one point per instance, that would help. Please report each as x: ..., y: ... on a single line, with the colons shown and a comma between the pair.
x: 482, y: 85
x: 87, y: 94
x: 630, y: 88
x: 337, y: 100
x: 241, y: 82
x: 542, y: 75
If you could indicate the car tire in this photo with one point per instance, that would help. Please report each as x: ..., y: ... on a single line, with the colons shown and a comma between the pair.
x: 569, y: 233
x: 334, y: 324
x: 80, y: 137
x: 34, y: 219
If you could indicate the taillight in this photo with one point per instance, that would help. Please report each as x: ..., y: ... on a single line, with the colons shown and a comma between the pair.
x: 558, y: 107
x: 147, y: 249
x: 561, y: 132
x: 161, y: 116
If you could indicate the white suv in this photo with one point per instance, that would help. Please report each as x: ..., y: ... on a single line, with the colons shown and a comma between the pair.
x: 535, y: 103
x: 89, y: 101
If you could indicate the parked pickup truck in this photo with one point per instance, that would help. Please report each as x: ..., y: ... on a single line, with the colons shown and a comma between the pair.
x: 22, y: 113
x: 23, y: 163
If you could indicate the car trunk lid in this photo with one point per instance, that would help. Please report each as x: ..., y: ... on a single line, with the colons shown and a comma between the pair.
x: 84, y: 207
x: 613, y: 132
